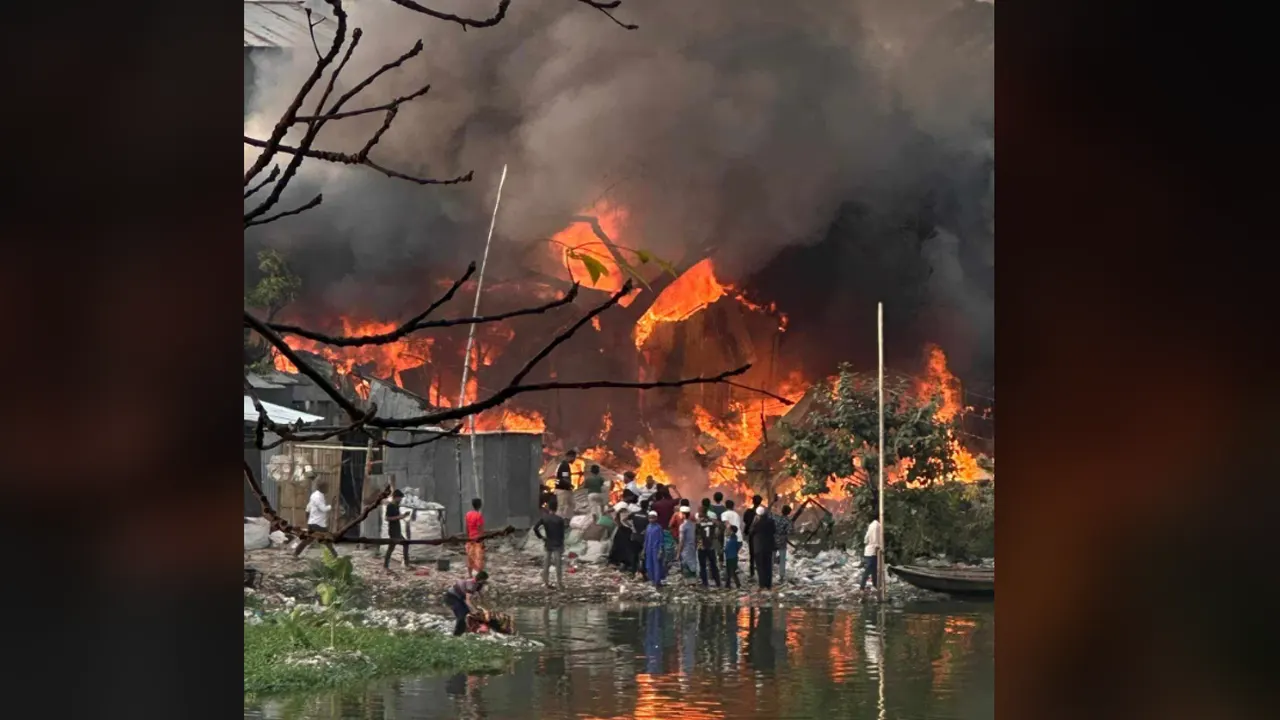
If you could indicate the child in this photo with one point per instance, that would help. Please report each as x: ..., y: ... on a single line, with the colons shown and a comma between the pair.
x: 475, y: 546
x: 731, y: 547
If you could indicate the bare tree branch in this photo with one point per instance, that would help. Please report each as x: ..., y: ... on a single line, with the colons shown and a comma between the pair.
x: 427, y: 441
x: 512, y: 389
x: 319, y: 198
x: 275, y: 170
x: 762, y: 391
x: 386, y: 125
x: 419, y: 323
x: 286, y: 120
x: 349, y: 159
x: 497, y: 17
x: 605, y: 7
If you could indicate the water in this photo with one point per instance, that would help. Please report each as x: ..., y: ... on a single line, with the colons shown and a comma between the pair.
x: 930, y: 662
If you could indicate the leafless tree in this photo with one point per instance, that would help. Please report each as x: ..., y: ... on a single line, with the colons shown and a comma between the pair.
x: 273, y: 185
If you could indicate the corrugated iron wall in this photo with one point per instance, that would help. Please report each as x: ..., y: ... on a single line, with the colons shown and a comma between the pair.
x: 508, y: 464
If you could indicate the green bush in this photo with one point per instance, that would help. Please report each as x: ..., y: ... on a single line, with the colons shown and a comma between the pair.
x: 953, y: 519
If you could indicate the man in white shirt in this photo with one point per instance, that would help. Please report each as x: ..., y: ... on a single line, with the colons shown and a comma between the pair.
x: 731, y: 518
x: 872, y: 543
x: 317, y: 517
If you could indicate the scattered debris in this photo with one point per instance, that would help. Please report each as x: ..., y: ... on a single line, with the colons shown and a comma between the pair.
x: 828, y: 579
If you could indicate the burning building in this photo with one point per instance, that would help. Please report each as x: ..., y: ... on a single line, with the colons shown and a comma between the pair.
x: 768, y: 174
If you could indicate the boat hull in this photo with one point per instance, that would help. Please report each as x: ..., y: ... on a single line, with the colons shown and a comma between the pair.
x: 960, y: 582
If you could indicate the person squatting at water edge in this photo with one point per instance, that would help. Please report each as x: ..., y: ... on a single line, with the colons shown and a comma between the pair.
x: 458, y: 598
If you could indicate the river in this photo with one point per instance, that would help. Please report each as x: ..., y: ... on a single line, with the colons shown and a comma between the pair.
x: 923, y: 662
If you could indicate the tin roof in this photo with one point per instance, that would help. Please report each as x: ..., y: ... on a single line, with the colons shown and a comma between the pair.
x: 277, y: 413
x: 283, y: 24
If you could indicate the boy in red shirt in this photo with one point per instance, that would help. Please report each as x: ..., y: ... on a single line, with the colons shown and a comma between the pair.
x: 475, y: 546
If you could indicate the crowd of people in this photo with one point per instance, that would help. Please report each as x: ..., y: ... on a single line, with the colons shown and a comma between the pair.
x: 654, y: 534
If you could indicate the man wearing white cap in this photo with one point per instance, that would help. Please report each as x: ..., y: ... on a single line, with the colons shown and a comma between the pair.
x: 653, y: 564
x: 687, y: 546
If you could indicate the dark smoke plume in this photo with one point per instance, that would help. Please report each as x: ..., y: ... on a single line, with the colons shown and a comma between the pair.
x: 848, y: 142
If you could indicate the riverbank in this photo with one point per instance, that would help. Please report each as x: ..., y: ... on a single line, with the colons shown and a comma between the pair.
x: 826, y: 580
x: 282, y: 657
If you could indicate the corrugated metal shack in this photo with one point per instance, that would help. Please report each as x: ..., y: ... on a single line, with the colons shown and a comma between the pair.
x: 508, y: 462
x: 272, y: 28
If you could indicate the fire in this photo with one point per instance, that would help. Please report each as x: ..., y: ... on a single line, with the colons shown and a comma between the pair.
x: 579, y: 238
x: 649, y: 461
x: 688, y: 294
x: 510, y: 420
x: 608, y: 425
x: 387, y: 360
x: 938, y: 381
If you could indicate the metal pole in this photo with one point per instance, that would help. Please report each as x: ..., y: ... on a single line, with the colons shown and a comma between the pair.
x: 466, y: 358
x: 880, y: 571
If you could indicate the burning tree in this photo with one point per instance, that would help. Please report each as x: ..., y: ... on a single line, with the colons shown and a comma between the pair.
x: 259, y: 316
x: 935, y: 502
x: 838, y: 440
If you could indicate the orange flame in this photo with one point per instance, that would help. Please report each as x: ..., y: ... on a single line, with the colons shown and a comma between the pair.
x: 579, y: 238
x: 388, y: 360
x: 649, y: 461
x: 687, y: 295
x: 938, y: 381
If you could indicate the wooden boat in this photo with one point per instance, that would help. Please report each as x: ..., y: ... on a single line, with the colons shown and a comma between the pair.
x: 968, y: 582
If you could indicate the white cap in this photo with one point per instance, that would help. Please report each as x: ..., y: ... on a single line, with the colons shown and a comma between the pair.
x: 760, y: 510
x: 653, y: 513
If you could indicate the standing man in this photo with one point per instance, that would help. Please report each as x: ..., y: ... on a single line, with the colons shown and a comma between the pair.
x: 762, y: 535
x: 317, y: 518
x: 475, y: 546
x: 784, y: 523
x: 730, y: 518
x: 751, y: 515
x: 594, y: 483
x: 458, y: 599
x: 732, y: 546
x: 552, y: 536
x: 718, y: 506
x: 564, y: 485
x: 394, y: 515
x: 654, y: 563
x: 872, y: 543
x: 687, y: 548
x: 709, y: 537
x: 639, y: 525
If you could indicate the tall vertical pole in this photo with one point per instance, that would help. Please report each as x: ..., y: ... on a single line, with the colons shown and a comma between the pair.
x: 466, y: 361
x: 880, y: 571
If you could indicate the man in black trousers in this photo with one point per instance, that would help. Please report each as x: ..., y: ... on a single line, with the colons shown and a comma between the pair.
x: 749, y: 516
x: 763, y: 545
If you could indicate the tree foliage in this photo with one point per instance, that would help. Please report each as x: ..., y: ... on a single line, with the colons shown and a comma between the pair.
x: 276, y: 288
x: 838, y: 439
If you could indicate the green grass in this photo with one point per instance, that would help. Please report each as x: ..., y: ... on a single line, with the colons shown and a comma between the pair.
x: 266, y: 646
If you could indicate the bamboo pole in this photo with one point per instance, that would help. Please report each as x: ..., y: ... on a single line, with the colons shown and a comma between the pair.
x: 880, y: 572
x: 466, y: 361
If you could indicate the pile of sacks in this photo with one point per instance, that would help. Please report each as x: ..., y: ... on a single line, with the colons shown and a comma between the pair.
x: 576, y: 542
x: 258, y: 534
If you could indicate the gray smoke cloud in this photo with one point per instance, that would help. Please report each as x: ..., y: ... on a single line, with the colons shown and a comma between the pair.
x: 740, y: 125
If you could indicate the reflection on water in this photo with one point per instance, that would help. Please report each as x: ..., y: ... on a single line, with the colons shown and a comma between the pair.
x: 926, y: 663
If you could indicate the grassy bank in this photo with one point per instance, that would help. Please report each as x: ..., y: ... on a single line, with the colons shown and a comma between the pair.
x: 279, y: 659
